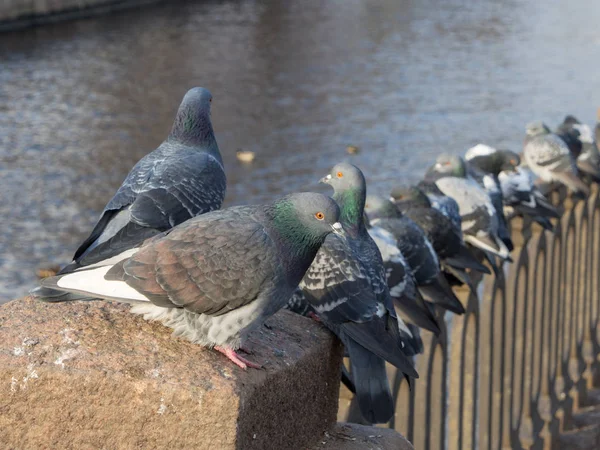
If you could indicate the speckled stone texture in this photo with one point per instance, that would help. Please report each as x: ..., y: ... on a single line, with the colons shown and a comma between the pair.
x: 88, y: 375
x: 351, y: 436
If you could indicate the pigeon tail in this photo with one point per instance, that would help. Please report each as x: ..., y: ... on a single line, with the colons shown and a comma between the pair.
x: 485, y: 243
x: 438, y: 291
x: 573, y: 182
x: 372, y: 387
x: 416, y: 311
x: 462, y: 276
x: 50, y: 295
x: 464, y: 259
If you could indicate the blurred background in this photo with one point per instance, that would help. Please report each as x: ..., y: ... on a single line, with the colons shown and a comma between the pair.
x: 295, y: 82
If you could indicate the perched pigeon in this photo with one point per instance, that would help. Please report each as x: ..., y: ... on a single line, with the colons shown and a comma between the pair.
x: 549, y: 157
x: 522, y: 197
x: 418, y: 251
x: 182, y: 178
x: 440, y: 201
x: 346, y: 286
x: 409, y: 302
x: 580, y: 140
x: 445, y: 238
x: 219, y: 275
x: 479, y: 218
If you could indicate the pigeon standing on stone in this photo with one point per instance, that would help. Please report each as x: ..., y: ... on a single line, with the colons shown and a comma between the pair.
x: 580, y: 140
x: 445, y: 238
x: 182, y: 178
x: 346, y: 286
x: 479, y: 218
x: 216, y: 277
x: 418, y: 251
x: 549, y: 157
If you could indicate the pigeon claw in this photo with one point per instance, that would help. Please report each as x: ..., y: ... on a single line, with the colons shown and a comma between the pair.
x: 237, y: 359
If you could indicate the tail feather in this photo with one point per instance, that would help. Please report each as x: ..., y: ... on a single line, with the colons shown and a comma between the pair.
x: 487, y: 244
x: 573, y: 182
x: 417, y: 312
x: 464, y: 259
x: 370, y: 380
x: 463, y: 277
x: 438, y: 291
x: 49, y: 295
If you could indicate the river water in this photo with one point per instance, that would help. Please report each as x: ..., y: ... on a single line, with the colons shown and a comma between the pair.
x: 295, y: 82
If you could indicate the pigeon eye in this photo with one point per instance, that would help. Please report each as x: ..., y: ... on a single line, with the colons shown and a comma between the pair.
x: 320, y: 215
x: 513, y: 162
x: 210, y: 100
x: 340, y: 174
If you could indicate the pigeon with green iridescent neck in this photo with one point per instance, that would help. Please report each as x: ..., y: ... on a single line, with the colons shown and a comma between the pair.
x: 216, y: 277
x: 418, y: 251
x: 182, y: 178
x: 346, y: 286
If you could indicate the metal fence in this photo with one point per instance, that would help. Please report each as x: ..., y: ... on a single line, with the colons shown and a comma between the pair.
x: 512, y: 370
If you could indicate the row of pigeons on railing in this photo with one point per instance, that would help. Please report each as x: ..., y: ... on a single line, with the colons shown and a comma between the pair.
x: 213, y: 275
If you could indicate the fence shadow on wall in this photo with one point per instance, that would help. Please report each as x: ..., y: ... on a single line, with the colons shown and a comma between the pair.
x: 512, y: 370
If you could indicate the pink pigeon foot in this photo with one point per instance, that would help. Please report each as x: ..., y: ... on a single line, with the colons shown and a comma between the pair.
x: 313, y: 316
x: 237, y: 359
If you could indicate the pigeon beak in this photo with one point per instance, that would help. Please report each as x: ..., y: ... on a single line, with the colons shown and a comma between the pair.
x: 338, y: 229
x: 326, y: 179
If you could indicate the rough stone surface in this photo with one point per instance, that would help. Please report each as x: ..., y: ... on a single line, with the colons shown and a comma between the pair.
x: 351, y: 436
x: 91, y: 375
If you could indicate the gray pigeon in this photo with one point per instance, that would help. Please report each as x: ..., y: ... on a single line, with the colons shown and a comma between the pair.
x: 580, y: 140
x: 219, y: 275
x: 418, y: 251
x: 346, y: 286
x: 479, y: 218
x: 548, y: 156
x: 443, y: 203
x: 445, y: 238
x: 523, y: 198
x: 181, y: 179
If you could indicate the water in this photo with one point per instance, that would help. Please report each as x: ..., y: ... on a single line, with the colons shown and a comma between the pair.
x: 296, y: 82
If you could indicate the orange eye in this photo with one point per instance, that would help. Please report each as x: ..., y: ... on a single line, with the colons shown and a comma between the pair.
x: 513, y: 162
x: 320, y: 215
x: 340, y: 174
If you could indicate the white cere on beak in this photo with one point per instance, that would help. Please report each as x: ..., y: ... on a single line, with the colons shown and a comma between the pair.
x: 326, y: 179
x: 338, y: 229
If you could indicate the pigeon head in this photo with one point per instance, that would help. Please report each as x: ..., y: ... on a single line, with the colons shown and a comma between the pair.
x: 500, y: 160
x: 450, y: 165
x: 307, y: 217
x: 350, y: 189
x: 192, y: 123
x: 537, y: 128
x: 378, y: 207
x: 409, y: 197
x: 570, y: 120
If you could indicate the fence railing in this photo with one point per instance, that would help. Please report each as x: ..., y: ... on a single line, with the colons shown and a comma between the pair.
x: 511, y: 371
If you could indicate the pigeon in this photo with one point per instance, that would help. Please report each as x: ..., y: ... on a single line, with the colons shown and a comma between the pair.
x: 549, y: 157
x: 217, y: 276
x: 408, y: 301
x: 479, y: 217
x: 182, y: 178
x: 346, y: 286
x: 445, y: 238
x: 523, y: 198
x: 418, y: 251
x: 580, y: 140
x: 443, y: 203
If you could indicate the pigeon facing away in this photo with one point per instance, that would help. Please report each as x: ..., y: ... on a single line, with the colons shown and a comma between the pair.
x: 346, y: 286
x: 522, y: 197
x: 219, y: 275
x: 182, y: 178
x: 549, y: 157
x: 479, y: 218
x: 580, y: 140
x: 446, y: 240
x: 443, y: 203
x: 418, y: 251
